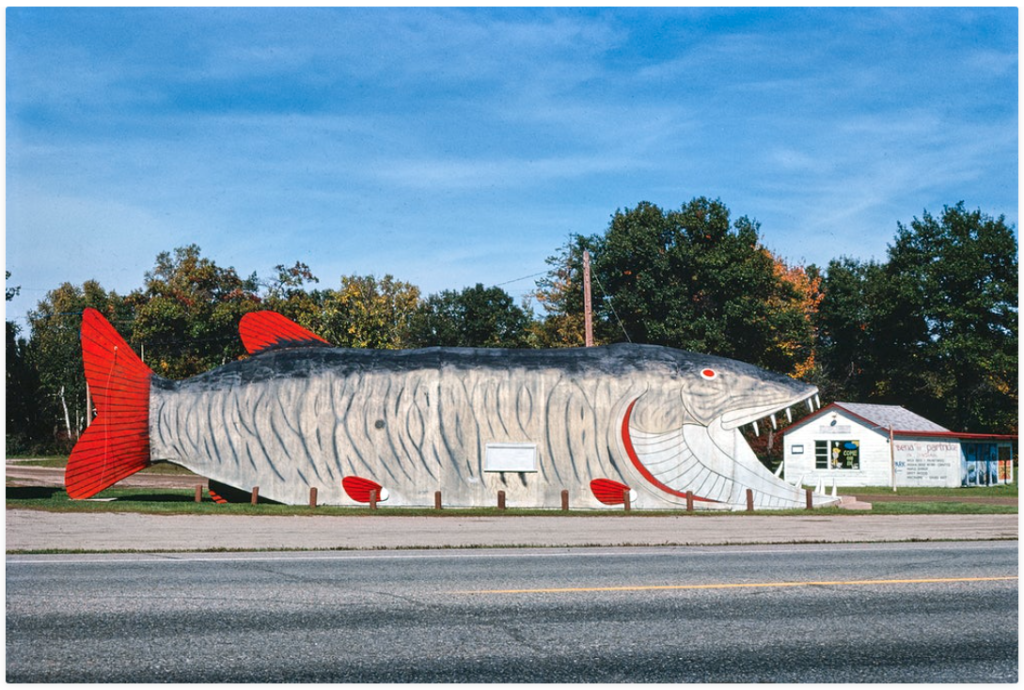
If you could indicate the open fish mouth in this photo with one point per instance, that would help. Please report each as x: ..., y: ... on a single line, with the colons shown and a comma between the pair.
x: 733, y: 419
x: 714, y: 463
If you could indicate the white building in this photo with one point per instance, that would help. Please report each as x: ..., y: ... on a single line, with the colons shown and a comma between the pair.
x: 853, y: 444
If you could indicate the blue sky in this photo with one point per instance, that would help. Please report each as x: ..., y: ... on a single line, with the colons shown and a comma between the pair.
x: 451, y: 146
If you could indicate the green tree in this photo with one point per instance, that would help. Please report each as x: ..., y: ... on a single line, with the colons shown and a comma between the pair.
x: 694, y: 280
x: 367, y: 313
x: 55, y: 353
x: 847, y: 320
x: 474, y: 317
x: 934, y: 328
x: 24, y: 420
x: 187, y: 314
x: 286, y: 295
x: 560, y: 295
x: 952, y: 284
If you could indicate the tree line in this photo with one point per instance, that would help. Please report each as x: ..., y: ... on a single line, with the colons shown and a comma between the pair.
x: 932, y: 328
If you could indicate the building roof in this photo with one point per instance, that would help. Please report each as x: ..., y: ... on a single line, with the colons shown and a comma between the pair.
x: 890, y: 416
x: 900, y: 420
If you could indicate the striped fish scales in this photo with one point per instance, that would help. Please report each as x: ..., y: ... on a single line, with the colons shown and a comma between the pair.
x: 298, y: 414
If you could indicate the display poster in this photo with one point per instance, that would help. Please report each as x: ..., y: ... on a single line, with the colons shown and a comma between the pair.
x: 981, y: 465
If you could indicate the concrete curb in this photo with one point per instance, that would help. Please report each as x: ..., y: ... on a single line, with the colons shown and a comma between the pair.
x: 39, y: 530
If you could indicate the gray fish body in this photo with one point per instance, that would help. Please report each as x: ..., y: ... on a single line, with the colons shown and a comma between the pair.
x: 421, y: 421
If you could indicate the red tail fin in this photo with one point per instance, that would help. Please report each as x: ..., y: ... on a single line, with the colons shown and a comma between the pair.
x: 116, y: 444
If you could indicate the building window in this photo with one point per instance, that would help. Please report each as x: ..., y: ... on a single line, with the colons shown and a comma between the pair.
x: 821, y: 455
x: 837, y: 455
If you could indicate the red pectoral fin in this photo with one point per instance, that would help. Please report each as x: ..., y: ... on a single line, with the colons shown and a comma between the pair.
x: 358, y: 489
x: 609, y: 491
x: 262, y: 330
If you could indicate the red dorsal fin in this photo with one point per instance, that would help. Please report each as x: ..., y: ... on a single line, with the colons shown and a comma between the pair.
x: 262, y: 330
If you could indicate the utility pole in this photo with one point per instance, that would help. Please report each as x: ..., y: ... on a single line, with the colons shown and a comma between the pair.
x: 588, y: 316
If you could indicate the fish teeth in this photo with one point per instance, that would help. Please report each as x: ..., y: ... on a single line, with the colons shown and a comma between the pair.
x: 789, y: 415
x: 774, y: 424
x: 757, y: 432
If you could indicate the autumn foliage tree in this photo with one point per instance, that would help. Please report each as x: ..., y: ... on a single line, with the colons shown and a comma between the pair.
x: 286, y: 294
x: 796, y: 308
x: 368, y: 313
x: 560, y: 295
x: 186, y: 316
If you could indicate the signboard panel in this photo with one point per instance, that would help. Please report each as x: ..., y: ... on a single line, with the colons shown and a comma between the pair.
x: 511, y: 457
x: 927, y: 462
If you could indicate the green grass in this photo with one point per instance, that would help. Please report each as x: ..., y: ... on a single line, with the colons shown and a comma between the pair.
x: 1003, y: 490
x: 182, y: 502
x: 33, y: 461
x: 62, y: 461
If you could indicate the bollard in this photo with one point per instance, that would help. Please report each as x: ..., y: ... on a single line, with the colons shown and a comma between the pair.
x: 437, y: 500
x: 625, y: 500
x: 750, y: 500
x: 689, y: 501
x: 255, y: 495
x: 810, y: 499
x: 312, y: 497
x: 565, y: 499
x: 373, y: 499
x: 199, y: 493
x: 501, y: 500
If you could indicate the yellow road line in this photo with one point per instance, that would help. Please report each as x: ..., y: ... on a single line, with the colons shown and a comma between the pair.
x: 739, y: 585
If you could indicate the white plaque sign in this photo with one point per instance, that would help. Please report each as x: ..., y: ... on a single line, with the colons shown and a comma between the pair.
x: 511, y: 457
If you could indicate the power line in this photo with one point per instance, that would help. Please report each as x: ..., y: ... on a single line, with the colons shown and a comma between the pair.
x: 516, y: 280
x: 608, y: 299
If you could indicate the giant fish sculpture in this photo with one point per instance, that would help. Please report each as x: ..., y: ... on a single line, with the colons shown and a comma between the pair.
x: 645, y: 421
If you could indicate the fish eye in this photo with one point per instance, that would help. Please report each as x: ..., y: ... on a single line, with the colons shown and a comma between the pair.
x: 709, y: 374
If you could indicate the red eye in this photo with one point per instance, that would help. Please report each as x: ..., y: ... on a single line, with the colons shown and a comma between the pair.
x: 709, y: 374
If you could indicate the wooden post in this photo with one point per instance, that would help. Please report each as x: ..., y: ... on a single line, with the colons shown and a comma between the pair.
x: 312, y: 497
x: 689, y: 501
x: 588, y: 318
x: 255, y: 495
x: 437, y: 500
x: 565, y: 499
x: 199, y: 493
x: 750, y: 500
x: 501, y: 500
x: 810, y: 499
x: 373, y: 499
x: 892, y: 456
x: 625, y: 500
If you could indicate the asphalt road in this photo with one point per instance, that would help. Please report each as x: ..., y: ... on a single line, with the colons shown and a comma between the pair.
x: 852, y: 613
